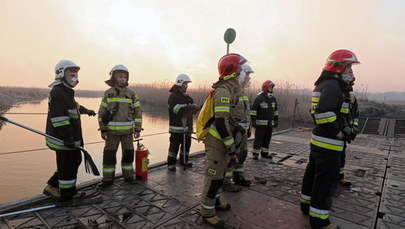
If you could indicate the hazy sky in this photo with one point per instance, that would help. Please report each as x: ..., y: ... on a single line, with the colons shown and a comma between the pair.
x: 285, y: 40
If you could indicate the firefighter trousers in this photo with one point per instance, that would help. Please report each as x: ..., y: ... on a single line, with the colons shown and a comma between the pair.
x: 342, y: 163
x: 237, y: 171
x: 319, y: 183
x: 65, y: 177
x: 110, y: 156
x: 216, y: 160
x: 262, y: 140
x: 176, y: 143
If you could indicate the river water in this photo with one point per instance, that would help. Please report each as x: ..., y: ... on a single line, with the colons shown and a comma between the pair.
x: 24, y: 174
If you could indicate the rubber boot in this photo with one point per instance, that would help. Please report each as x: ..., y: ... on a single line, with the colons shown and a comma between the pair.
x: 239, y: 179
x: 78, y: 194
x: 53, y: 192
x: 305, y: 209
x: 345, y: 182
x: 214, y: 221
x: 266, y: 155
x: 171, y: 168
x: 221, y: 206
x: 231, y: 188
x: 255, y: 157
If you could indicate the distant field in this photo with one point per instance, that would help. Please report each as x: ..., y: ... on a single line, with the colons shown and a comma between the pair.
x: 290, y: 99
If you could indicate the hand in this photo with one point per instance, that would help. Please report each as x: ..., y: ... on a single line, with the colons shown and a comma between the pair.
x: 254, y: 125
x: 91, y: 113
x: 275, y: 124
x: 69, y: 142
x: 104, y: 135
x: 340, y: 135
x: 355, y: 130
x: 233, y: 159
x: 137, y: 135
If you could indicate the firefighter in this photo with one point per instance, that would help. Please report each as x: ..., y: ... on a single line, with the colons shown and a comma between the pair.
x: 264, y: 115
x: 328, y: 138
x: 353, y: 123
x: 219, y: 142
x: 63, y: 122
x: 120, y: 121
x: 242, y: 114
x: 181, y: 109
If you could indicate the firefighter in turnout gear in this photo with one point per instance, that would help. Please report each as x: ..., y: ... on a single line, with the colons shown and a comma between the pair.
x: 328, y: 138
x: 120, y: 121
x: 264, y: 115
x: 63, y: 122
x: 242, y: 114
x: 220, y: 145
x: 353, y: 123
x: 181, y: 109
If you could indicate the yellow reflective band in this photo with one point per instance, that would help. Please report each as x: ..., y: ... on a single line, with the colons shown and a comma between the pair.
x: 214, y: 133
x: 327, y: 143
x: 138, y: 120
x: 318, y: 213
x: 221, y: 109
x: 240, y: 170
x: 207, y: 207
x: 137, y: 104
x: 228, y: 173
x: 315, y: 99
x: 229, y: 76
x: 103, y: 104
x: 229, y: 142
x: 58, y: 124
x: 325, y: 117
x: 253, y: 112
x: 304, y: 201
x: 119, y: 127
x: 127, y: 167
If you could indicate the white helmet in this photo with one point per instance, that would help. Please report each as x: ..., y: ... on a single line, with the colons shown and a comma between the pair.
x: 119, y: 67
x: 60, y: 70
x: 181, y: 79
x: 247, y: 69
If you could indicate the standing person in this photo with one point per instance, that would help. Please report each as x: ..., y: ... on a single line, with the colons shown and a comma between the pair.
x: 352, y: 119
x: 120, y: 121
x: 236, y: 171
x: 63, y: 122
x: 264, y: 114
x: 328, y: 138
x: 181, y: 109
x: 219, y: 142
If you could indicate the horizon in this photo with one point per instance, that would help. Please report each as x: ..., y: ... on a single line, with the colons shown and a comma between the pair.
x: 157, y: 40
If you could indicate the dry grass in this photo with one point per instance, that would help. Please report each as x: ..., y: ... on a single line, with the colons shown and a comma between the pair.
x: 13, y: 95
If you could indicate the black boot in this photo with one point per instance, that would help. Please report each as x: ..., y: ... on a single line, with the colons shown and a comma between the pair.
x: 266, y: 155
x: 187, y: 164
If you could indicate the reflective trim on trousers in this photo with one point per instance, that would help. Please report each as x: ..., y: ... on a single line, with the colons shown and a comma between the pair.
x: 318, y: 213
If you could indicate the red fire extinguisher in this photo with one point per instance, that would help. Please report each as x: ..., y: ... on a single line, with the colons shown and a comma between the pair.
x: 141, y: 161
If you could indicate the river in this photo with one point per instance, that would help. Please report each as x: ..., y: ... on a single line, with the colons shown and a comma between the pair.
x: 24, y: 174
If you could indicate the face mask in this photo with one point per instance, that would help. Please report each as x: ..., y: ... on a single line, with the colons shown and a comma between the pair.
x: 346, y: 78
x: 74, y: 81
x: 269, y: 94
x: 241, y: 77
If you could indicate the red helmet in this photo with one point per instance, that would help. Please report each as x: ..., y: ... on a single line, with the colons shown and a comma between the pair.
x: 267, y: 85
x: 339, y: 59
x: 229, y: 64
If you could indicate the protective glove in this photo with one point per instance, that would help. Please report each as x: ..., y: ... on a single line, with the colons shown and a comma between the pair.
x: 91, y: 113
x: 275, y: 124
x: 355, y: 130
x: 69, y: 142
x: 233, y: 160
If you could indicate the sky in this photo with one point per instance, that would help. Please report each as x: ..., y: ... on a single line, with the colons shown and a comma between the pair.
x: 286, y: 41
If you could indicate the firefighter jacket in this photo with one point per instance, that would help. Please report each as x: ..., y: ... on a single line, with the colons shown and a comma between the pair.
x: 264, y: 110
x: 224, y: 100
x: 63, y: 119
x: 180, y: 107
x: 328, y: 110
x: 120, y: 111
x: 242, y: 109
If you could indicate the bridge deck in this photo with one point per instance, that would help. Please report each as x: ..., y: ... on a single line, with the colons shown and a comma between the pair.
x: 375, y: 165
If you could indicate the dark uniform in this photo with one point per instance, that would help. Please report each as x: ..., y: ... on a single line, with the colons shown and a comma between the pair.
x: 181, y: 109
x: 352, y: 119
x: 264, y: 115
x: 63, y: 122
x: 321, y: 176
x: 123, y: 107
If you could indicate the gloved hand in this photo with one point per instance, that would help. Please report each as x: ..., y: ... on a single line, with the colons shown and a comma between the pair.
x: 347, y: 132
x: 91, y: 113
x: 69, y: 142
x: 104, y: 134
x: 275, y: 124
x: 233, y: 160
x: 355, y: 130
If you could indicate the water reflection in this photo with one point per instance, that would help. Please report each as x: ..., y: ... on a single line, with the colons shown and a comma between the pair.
x: 32, y: 169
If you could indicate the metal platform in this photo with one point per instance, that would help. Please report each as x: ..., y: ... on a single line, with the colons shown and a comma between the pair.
x: 375, y: 164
